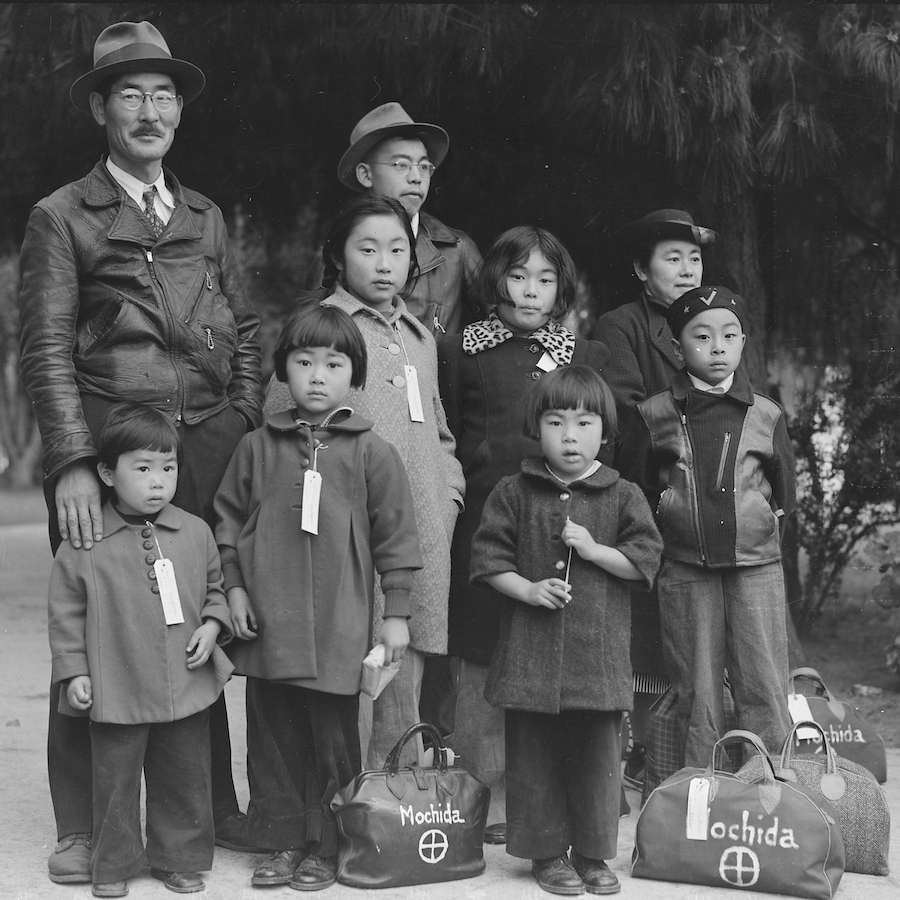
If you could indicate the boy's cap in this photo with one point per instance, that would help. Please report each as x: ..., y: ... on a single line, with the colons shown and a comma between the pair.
x: 698, y: 300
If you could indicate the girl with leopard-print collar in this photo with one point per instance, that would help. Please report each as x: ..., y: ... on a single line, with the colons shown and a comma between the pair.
x: 529, y: 282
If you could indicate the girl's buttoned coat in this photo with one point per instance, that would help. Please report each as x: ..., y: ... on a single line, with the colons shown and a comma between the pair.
x: 106, y: 620
x: 577, y: 657
x: 484, y: 397
x: 426, y: 449
x: 312, y: 593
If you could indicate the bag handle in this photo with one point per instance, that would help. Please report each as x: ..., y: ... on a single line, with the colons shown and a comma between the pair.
x: 832, y: 783
x: 392, y: 763
x: 747, y: 737
x: 813, y: 677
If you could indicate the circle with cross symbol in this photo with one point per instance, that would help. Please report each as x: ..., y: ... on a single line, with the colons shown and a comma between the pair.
x: 433, y: 846
x: 739, y: 866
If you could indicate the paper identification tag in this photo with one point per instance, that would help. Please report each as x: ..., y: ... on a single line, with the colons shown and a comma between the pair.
x: 798, y: 709
x: 697, y: 821
x: 168, y: 591
x: 547, y: 363
x: 412, y: 394
x: 312, y: 489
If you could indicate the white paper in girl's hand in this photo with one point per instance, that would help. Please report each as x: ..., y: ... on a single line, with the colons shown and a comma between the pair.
x: 376, y: 676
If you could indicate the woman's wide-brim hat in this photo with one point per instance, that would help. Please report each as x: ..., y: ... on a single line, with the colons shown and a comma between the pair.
x: 663, y: 225
x: 388, y: 120
x: 135, y: 47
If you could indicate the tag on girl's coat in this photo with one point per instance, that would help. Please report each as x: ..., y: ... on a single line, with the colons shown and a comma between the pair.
x: 799, y: 711
x: 413, y: 397
x: 312, y: 490
x: 547, y: 363
x: 168, y: 591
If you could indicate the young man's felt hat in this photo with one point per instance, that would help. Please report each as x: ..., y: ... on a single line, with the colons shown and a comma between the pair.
x: 698, y: 300
x: 388, y: 120
x: 664, y: 225
x: 135, y: 47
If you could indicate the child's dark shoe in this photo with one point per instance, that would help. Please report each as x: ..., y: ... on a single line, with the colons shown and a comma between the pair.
x: 180, y: 882
x: 495, y: 834
x: 556, y: 876
x: 315, y: 874
x: 231, y: 833
x: 596, y: 874
x: 278, y: 868
x: 70, y: 861
x: 110, y: 889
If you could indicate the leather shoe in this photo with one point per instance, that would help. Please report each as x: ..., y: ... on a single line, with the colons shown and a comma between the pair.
x: 596, y: 874
x: 556, y: 876
x: 314, y: 874
x: 495, y: 834
x: 180, y: 882
x: 70, y: 861
x: 110, y: 889
x: 231, y: 833
x: 278, y: 868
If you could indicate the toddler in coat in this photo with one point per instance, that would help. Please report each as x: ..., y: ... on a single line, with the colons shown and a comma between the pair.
x: 134, y: 624
x: 561, y: 539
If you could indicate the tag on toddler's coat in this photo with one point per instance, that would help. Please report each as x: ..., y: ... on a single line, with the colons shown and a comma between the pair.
x: 168, y: 591
x: 312, y: 489
x: 547, y: 363
x: 697, y: 821
x: 413, y: 397
x: 798, y: 709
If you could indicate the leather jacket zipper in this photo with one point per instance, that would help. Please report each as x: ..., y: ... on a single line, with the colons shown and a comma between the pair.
x: 695, y: 503
x: 721, y: 473
x: 170, y: 321
x: 208, y: 282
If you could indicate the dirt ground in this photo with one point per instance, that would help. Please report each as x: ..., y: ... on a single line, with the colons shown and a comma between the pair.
x: 847, y: 650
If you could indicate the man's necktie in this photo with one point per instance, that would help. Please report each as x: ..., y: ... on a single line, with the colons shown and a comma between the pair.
x: 156, y: 223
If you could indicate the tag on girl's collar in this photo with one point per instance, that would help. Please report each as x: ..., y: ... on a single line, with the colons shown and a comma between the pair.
x: 168, y: 586
x: 547, y: 363
x: 413, y: 397
x: 312, y: 490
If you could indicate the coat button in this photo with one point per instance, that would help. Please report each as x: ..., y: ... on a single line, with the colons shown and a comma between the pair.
x: 147, y: 532
x: 150, y: 560
x: 535, y: 375
x: 398, y: 381
x: 560, y: 565
x: 394, y: 348
x: 304, y: 463
x: 564, y: 496
x: 534, y: 348
x: 152, y: 574
x: 148, y: 545
x: 155, y: 589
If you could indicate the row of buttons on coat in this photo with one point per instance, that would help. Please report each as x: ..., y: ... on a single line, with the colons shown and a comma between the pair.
x: 147, y: 533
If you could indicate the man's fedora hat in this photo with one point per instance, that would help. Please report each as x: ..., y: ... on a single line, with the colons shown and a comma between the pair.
x: 386, y: 121
x: 135, y: 47
x: 663, y: 225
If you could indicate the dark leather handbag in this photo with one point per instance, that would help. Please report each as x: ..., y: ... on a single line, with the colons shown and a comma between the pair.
x: 858, y: 801
x: 413, y: 825
x: 850, y: 734
x: 705, y: 826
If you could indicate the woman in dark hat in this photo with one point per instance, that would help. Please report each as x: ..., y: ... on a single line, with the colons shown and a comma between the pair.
x: 665, y: 248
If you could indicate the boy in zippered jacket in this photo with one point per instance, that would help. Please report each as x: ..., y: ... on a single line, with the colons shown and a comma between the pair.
x: 715, y: 460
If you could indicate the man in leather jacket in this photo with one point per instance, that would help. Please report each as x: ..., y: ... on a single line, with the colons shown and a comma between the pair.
x: 129, y: 291
x: 392, y: 156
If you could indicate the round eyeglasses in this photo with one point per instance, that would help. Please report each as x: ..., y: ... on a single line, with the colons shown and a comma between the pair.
x: 403, y: 167
x: 132, y: 99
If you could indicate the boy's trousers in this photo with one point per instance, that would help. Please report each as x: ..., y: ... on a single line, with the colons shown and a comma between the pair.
x: 174, y: 758
x: 718, y: 619
x: 563, y: 783
x: 302, y: 745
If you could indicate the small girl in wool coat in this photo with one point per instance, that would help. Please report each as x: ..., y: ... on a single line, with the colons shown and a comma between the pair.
x: 529, y: 282
x: 311, y: 505
x: 368, y: 253
x: 561, y: 539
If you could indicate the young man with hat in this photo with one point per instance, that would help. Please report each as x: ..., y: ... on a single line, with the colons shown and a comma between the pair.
x: 129, y: 291
x: 715, y: 461
x: 390, y: 155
